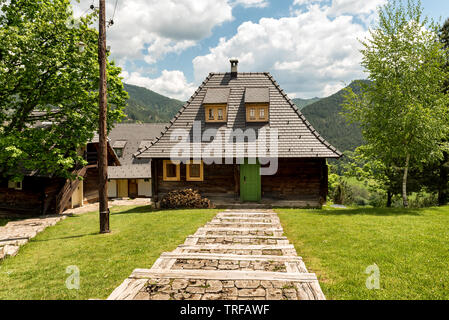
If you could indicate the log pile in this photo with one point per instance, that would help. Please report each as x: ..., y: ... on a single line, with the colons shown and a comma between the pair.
x: 185, y: 199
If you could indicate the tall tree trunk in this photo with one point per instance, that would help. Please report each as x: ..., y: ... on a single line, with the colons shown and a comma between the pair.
x: 443, y: 192
x: 404, y: 181
x: 389, y: 199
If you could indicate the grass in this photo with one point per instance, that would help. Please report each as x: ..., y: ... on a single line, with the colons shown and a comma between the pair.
x: 3, y: 222
x: 410, y: 247
x: 138, y: 237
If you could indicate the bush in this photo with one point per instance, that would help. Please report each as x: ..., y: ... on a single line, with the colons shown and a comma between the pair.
x: 185, y: 199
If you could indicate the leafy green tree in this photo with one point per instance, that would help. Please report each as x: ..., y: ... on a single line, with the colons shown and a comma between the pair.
x: 403, y: 113
x: 49, y: 87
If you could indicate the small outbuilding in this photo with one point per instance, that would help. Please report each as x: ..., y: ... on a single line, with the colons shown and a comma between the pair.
x: 133, y: 178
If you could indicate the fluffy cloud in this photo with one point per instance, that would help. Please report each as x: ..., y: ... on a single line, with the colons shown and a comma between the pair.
x: 309, y: 53
x: 356, y: 7
x: 339, y: 7
x: 252, y: 3
x: 172, y: 84
x: 160, y: 27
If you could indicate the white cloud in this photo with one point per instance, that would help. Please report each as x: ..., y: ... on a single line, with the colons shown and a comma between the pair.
x: 165, y: 26
x: 252, y: 3
x: 172, y: 84
x: 356, y: 7
x: 338, y: 7
x: 309, y: 53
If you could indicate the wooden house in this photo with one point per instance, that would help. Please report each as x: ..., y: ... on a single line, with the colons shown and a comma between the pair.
x: 133, y: 178
x: 46, y: 194
x: 230, y: 135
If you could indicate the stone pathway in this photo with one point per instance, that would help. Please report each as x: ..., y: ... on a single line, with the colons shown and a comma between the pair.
x: 17, y: 233
x: 239, y: 255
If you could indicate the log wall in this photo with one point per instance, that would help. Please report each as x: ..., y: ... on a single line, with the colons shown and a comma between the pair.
x: 36, y: 194
x: 296, y: 179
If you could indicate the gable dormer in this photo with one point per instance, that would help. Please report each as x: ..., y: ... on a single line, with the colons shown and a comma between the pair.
x: 257, y: 104
x: 216, y: 105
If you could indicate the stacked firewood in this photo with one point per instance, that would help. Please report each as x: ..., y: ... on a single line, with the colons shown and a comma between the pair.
x: 185, y: 199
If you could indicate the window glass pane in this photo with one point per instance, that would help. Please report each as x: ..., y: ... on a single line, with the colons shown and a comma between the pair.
x: 195, y: 170
x: 119, y: 152
x: 211, y: 114
x: 220, y: 114
x: 171, y: 170
x: 262, y: 113
x: 252, y: 114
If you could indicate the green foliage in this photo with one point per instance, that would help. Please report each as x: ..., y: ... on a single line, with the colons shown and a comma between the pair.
x: 403, y: 112
x: 48, y: 87
x: 444, y: 34
x: 147, y: 106
x: 325, y: 116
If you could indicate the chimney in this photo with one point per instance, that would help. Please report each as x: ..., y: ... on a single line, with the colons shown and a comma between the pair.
x: 234, y: 67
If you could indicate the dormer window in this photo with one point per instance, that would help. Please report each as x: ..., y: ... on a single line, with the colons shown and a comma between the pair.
x: 257, y: 103
x: 216, y: 104
x: 118, y: 147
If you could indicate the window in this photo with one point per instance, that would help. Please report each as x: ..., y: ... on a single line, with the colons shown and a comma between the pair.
x: 216, y: 113
x: 15, y: 185
x: 211, y: 114
x: 257, y: 113
x: 119, y: 152
x: 195, y: 171
x: 172, y: 171
x: 252, y: 114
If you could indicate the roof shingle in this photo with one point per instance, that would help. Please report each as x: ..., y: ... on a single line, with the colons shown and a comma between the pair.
x: 296, y: 137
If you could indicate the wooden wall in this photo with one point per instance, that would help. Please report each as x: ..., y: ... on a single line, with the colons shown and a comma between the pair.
x: 218, y: 181
x: 91, y: 185
x: 35, y: 194
x: 296, y: 179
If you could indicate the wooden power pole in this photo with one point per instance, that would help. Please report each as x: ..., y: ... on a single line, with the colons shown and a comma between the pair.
x: 103, y: 151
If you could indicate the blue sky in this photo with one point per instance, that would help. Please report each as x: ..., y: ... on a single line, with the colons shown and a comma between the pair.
x: 310, y: 46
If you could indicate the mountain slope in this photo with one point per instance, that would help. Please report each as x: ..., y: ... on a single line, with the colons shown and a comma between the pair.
x: 325, y: 117
x: 148, y: 106
x: 302, y: 103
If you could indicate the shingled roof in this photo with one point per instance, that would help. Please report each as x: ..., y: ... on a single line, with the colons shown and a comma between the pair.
x: 296, y: 136
x: 134, y: 137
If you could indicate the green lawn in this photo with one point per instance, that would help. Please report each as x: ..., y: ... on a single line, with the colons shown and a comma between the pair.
x: 138, y: 237
x: 410, y: 247
x: 3, y: 222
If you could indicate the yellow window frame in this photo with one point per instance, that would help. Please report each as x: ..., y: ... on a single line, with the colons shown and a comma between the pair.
x: 215, y: 108
x: 257, y: 108
x: 201, y: 177
x: 178, y: 170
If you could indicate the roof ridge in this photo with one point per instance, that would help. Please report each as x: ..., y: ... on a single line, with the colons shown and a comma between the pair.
x: 173, y: 120
x: 303, y: 118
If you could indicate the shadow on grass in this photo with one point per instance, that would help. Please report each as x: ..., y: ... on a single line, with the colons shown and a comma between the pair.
x: 68, y: 237
x: 144, y: 209
x: 372, y: 212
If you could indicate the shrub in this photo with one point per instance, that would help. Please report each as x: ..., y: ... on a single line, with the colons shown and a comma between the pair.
x: 185, y: 199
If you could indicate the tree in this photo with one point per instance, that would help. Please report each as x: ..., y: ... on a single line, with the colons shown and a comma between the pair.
x: 49, y: 87
x: 403, y: 112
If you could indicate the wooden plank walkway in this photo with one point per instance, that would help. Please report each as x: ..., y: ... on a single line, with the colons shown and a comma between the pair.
x: 239, y: 255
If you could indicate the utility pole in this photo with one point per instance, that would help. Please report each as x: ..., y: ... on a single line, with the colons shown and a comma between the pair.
x: 103, y: 152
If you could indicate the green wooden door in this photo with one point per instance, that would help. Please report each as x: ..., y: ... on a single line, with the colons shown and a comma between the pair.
x: 250, y: 182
